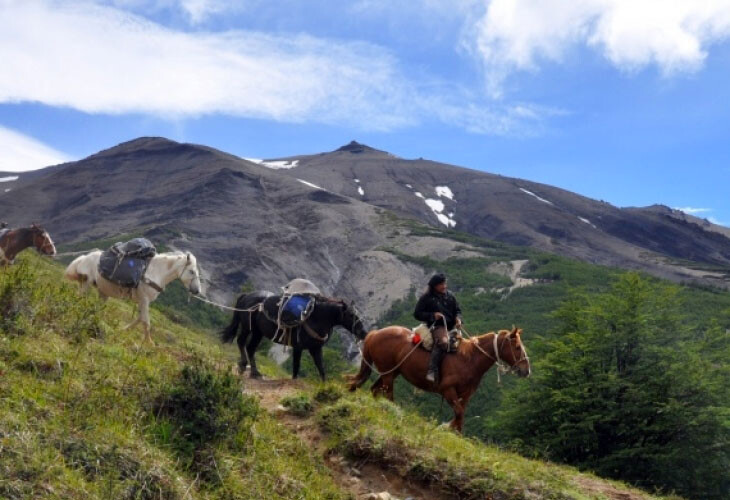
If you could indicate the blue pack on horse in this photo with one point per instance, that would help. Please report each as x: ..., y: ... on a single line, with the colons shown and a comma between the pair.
x: 297, y: 318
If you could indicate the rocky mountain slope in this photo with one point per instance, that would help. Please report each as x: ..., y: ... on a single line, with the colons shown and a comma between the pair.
x: 655, y: 239
x: 329, y: 217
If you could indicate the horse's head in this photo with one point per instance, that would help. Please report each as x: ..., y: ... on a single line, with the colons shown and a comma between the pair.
x: 352, y: 321
x: 190, y: 275
x: 511, y: 350
x: 42, y: 240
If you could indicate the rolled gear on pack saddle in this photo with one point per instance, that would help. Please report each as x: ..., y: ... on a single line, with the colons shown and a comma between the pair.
x: 125, y: 264
x: 440, y: 311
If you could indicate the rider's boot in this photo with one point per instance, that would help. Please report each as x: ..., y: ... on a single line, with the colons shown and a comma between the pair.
x: 434, y: 362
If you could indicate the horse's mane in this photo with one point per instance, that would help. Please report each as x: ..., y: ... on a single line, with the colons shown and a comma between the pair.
x: 468, y: 346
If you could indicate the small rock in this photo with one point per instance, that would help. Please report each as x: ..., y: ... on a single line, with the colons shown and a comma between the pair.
x: 355, y: 472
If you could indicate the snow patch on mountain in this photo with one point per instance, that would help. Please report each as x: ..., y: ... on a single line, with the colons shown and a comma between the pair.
x: 419, y: 195
x: 536, y: 196
x: 275, y: 164
x: 361, y: 191
x: 437, y: 207
x: 444, y: 191
x: 9, y: 178
x: 306, y: 183
x: 582, y: 219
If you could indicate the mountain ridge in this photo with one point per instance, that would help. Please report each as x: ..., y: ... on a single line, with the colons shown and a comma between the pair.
x: 326, y: 216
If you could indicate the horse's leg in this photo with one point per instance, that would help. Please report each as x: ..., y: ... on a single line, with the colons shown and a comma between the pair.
x: 144, y: 317
x: 452, y: 397
x: 251, y: 350
x: 316, y: 353
x: 241, y: 341
x: 388, y: 383
x: 377, y: 386
x: 296, y: 360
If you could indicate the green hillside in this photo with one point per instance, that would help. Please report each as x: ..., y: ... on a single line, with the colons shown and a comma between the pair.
x: 700, y: 321
x: 88, y: 412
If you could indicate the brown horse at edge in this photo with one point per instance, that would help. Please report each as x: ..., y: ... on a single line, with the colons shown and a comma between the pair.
x: 15, y: 241
x: 391, y: 351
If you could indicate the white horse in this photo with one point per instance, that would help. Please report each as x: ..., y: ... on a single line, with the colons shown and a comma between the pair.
x: 162, y: 270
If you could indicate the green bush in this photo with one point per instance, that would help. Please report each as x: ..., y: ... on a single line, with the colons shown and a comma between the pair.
x: 201, y: 411
x: 299, y: 405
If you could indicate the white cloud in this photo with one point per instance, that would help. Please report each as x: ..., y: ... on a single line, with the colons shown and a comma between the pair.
x: 100, y: 59
x: 671, y: 34
x: 717, y: 222
x: 19, y: 153
x: 693, y: 210
x: 196, y: 11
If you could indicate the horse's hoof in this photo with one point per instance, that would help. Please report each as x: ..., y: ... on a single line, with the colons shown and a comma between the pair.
x: 255, y: 375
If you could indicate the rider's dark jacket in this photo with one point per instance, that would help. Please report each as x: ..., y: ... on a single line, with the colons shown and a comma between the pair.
x: 432, y: 302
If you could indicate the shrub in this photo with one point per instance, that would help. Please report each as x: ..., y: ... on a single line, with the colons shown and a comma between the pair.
x: 299, y: 405
x: 203, y: 409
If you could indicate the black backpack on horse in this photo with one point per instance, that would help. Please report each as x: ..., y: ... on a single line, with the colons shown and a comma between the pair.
x: 125, y: 263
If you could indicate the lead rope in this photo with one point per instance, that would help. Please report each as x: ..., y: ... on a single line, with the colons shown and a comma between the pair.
x: 249, y: 310
x: 375, y: 369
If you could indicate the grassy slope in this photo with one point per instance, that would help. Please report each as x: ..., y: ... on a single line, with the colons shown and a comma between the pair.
x: 79, y: 416
x: 76, y: 405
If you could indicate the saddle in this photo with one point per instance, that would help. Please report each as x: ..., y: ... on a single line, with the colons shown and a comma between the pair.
x: 424, y: 332
x: 126, y: 263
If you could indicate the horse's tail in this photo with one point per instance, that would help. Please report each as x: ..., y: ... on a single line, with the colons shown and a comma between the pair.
x: 363, y: 375
x: 72, y: 271
x: 231, y: 331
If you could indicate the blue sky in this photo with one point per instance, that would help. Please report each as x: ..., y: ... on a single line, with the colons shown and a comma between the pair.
x: 628, y: 102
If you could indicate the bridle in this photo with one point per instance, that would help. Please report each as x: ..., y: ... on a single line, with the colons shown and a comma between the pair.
x: 46, y: 245
x: 355, y: 315
x: 502, y: 366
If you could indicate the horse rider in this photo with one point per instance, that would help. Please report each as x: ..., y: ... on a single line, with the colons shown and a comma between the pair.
x: 439, y: 309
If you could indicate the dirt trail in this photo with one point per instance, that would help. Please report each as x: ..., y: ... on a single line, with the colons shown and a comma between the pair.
x: 363, y: 480
x: 368, y: 480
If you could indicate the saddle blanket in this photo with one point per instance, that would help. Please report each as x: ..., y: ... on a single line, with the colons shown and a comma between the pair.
x: 424, y: 332
x: 126, y: 263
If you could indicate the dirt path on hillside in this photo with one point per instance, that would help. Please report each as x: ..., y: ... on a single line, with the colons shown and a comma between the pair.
x: 368, y: 480
x: 363, y: 480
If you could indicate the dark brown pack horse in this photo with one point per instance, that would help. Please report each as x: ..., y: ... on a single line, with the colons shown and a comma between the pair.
x: 392, y: 353
x: 14, y: 241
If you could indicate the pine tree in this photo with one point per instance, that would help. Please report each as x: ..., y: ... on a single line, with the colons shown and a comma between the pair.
x: 630, y: 391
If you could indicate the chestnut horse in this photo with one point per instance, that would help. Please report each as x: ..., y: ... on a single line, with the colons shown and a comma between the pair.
x: 390, y: 352
x: 14, y: 241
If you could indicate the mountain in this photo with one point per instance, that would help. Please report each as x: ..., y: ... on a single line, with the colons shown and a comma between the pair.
x: 654, y: 239
x: 333, y: 217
